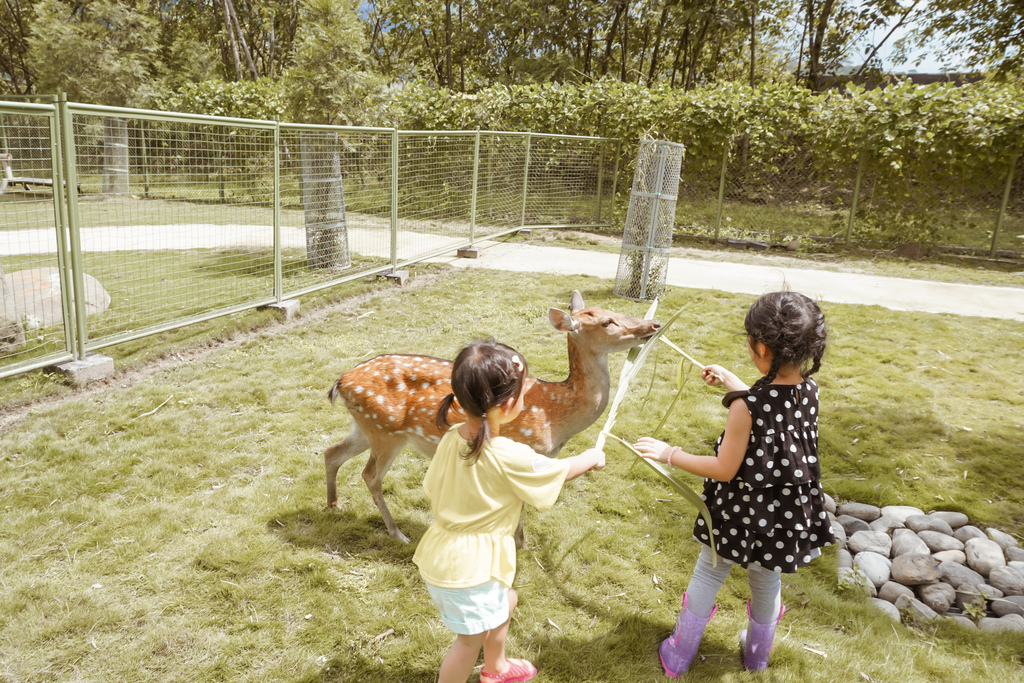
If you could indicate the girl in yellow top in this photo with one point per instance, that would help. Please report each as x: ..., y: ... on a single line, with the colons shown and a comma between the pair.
x: 477, y: 484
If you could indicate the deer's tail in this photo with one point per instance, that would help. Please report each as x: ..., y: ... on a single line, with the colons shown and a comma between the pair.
x: 335, y: 392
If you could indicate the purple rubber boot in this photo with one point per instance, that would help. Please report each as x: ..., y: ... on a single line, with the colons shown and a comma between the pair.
x: 678, y: 650
x: 758, y: 644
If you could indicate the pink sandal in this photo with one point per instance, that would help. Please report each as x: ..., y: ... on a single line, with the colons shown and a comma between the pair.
x: 518, y: 670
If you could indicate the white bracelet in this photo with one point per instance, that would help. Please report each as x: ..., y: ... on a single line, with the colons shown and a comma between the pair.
x: 670, y: 454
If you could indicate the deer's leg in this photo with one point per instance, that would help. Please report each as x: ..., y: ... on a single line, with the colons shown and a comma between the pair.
x: 519, y: 536
x: 383, y: 452
x: 337, y: 455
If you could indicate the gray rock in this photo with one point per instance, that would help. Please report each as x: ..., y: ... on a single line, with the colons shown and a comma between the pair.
x: 852, y: 525
x: 886, y: 608
x: 957, y: 556
x: 1017, y: 567
x: 858, y: 580
x: 1003, y: 539
x: 886, y: 524
x: 968, y: 596
x: 1011, y: 604
x: 874, y: 565
x: 966, y: 533
x: 953, y: 519
x: 793, y: 245
x: 990, y: 592
x: 921, y: 523
x: 938, y: 596
x: 958, y: 576
x: 937, y: 542
x: 862, y: 511
x: 830, y: 504
x: 891, y: 591
x: 870, y: 541
x: 915, y: 610
x: 1014, y: 554
x: 1007, y: 580
x: 906, y: 541
x: 1011, y: 622
x: 983, y: 555
x: 900, y: 512
x: 961, y: 620
x: 912, y: 569
x: 844, y: 559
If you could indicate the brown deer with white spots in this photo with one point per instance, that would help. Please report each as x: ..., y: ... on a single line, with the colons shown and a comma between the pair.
x: 394, y: 398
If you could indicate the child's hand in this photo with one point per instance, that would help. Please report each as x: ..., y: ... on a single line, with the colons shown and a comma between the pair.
x: 652, y: 449
x: 597, y: 457
x: 713, y: 375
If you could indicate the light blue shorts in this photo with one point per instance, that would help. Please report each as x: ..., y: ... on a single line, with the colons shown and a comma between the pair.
x: 472, y: 610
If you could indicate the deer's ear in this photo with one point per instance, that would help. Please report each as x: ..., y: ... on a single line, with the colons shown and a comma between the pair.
x: 562, y: 321
x: 576, y: 302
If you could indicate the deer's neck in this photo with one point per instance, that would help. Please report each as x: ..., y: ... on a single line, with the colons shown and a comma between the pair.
x: 582, y: 397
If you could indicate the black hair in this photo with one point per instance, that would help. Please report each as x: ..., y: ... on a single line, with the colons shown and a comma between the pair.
x: 793, y: 327
x: 485, y: 375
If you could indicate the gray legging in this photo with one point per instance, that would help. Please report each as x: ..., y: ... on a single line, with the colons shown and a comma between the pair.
x: 765, y: 588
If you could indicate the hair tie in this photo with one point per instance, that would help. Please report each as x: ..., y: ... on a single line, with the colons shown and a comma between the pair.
x: 518, y: 362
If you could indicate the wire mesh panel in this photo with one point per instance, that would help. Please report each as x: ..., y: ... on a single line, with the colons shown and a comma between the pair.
x: 435, y: 192
x: 564, y: 175
x: 32, y: 311
x: 650, y: 219
x: 500, y: 182
x: 335, y: 204
x: 178, y: 226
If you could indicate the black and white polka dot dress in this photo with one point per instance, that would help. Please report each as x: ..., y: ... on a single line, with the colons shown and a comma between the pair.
x: 772, y: 513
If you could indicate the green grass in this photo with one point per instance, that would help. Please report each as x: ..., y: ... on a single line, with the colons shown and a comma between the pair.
x: 172, y: 527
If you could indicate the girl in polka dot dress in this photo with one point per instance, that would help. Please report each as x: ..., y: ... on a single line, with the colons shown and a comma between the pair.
x: 762, y: 484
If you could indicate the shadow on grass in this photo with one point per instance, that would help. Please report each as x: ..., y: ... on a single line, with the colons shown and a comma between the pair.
x: 342, y: 531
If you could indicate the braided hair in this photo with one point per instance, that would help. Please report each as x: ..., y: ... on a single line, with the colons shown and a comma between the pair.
x: 485, y: 375
x: 793, y: 327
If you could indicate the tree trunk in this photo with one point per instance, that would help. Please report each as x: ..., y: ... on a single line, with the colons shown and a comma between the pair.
x: 657, y: 46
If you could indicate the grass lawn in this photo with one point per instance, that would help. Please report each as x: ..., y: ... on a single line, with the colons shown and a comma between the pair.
x: 171, y: 524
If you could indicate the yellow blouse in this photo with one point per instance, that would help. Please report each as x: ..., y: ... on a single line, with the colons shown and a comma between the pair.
x: 477, y: 506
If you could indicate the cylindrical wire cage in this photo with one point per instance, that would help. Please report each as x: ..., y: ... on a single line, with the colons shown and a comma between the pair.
x: 647, y: 236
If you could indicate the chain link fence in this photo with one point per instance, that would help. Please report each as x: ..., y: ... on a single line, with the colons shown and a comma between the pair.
x: 772, y: 191
x: 117, y: 224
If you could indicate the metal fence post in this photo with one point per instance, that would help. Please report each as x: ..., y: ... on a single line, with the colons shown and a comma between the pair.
x: 276, y: 162
x: 615, y: 177
x: 394, y: 200
x: 526, y: 179
x: 472, y: 197
x: 721, y: 187
x: 74, y: 238
x: 60, y: 214
x: 1005, y: 202
x: 600, y: 181
x: 856, y: 196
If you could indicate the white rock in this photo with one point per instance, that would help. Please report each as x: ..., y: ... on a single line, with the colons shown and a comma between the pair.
x: 984, y: 555
x: 830, y: 504
x: 875, y: 566
x: 870, y: 541
x: 886, y: 524
x: 855, y: 578
x: 844, y: 559
x: 886, y: 608
x: 957, y: 556
x: 901, y: 512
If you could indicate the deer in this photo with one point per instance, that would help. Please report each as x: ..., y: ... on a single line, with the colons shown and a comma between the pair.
x: 393, y: 399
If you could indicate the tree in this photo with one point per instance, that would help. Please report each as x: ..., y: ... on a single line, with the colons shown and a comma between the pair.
x: 15, y: 73
x: 989, y: 32
x: 102, y: 51
x: 327, y: 79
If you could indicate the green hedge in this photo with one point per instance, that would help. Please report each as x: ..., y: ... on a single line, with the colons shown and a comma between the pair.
x: 931, y: 157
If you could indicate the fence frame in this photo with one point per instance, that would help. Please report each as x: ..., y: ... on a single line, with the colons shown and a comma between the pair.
x: 67, y: 221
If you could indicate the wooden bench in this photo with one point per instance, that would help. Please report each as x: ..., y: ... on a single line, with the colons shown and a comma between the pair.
x: 10, y: 179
